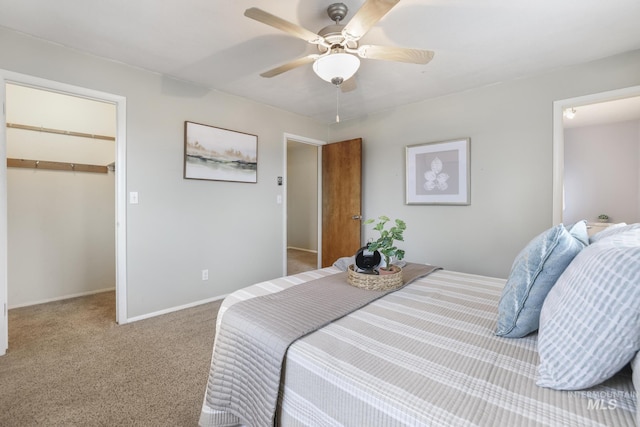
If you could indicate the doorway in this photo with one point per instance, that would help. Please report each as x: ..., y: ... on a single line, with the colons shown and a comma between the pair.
x: 60, y: 196
x: 8, y: 77
x: 339, y: 199
x: 303, y: 205
x: 593, y: 101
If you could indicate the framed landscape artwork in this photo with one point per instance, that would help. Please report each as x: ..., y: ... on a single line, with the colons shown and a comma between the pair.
x: 217, y: 154
x: 438, y: 173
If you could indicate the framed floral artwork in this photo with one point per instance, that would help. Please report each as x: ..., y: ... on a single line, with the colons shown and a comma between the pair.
x: 438, y: 173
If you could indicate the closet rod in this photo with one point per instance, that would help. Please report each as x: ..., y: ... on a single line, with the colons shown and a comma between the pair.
x: 60, y: 132
x: 40, y: 164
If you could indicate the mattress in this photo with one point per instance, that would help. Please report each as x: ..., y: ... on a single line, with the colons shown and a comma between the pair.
x: 426, y: 355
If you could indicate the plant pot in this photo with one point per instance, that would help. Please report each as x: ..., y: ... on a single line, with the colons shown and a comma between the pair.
x: 393, y: 270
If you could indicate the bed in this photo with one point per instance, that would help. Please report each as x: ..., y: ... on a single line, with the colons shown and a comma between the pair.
x: 428, y: 354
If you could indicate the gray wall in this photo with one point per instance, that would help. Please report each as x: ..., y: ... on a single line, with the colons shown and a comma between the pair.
x: 180, y: 226
x: 511, y: 129
x: 61, y: 235
x: 602, y: 172
x: 302, y: 196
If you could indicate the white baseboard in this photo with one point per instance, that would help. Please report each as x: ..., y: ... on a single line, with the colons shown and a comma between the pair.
x: 172, y: 309
x: 133, y: 319
x: 44, y: 301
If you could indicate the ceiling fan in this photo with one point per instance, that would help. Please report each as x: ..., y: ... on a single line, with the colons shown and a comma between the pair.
x: 338, y: 44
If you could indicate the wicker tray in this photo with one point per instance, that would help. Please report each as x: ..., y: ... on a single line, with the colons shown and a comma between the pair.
x: 374, y: 282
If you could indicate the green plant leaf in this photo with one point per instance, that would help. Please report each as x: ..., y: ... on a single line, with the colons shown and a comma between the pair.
x: 385, y: 243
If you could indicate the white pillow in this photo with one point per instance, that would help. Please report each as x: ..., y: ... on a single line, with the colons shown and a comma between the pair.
x: 613, y: 229
x: 635, y: 377
x: 344, y: 262
x: 590, y: 320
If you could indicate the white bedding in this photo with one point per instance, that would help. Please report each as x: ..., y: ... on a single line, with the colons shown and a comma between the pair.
x: 427, y: 355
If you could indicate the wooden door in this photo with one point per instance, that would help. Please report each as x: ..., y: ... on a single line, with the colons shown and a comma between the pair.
x: 341, y: 199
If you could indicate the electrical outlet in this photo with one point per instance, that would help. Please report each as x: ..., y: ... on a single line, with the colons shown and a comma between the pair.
x: 205, y: 274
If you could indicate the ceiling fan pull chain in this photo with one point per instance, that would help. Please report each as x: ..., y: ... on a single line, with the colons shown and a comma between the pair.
x: 337, y: 81
x: 337, y: 103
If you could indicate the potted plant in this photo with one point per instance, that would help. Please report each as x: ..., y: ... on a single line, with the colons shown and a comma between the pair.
x: 603, y: 218
x: 385, y: 243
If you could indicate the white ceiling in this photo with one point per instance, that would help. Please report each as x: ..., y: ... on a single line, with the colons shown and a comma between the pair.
x: 211, y: 43
x: 616, y: 111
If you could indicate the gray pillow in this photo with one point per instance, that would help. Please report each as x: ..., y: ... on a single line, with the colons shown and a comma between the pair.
x: 590, y: 321
x: 534, y: 271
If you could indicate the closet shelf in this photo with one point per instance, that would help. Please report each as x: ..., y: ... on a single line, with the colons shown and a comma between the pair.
x: 41, y: 164
x: 60, y: 132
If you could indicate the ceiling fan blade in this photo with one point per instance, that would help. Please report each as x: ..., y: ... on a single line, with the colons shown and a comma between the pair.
x: 290, y: 65
x: 283, y: 25
x: 366, y: 17
x: 401, y: 54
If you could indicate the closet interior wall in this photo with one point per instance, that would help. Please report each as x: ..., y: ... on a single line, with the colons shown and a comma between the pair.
x: 60, y: 196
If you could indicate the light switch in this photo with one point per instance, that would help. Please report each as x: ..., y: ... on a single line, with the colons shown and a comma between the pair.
x: 133, y: 197
x: 279, y: 199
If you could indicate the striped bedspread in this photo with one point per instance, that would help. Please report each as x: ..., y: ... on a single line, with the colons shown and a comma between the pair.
x: 426, y: 355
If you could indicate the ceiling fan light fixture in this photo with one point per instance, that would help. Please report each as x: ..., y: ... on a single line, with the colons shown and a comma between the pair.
x: 336, y: 65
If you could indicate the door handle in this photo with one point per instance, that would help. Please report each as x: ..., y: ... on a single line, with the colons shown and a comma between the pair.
x: 356, y: 217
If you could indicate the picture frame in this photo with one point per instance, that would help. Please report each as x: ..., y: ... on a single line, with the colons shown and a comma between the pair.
x: 217, y: 154
x: 438, y: 173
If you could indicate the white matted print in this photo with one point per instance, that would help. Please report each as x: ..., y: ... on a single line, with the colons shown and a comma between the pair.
x: 438, y: 173
x: 218, y: 154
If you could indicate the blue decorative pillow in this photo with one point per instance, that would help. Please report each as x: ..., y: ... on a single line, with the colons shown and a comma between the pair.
x: 590, y: 321
x: 534, y: 271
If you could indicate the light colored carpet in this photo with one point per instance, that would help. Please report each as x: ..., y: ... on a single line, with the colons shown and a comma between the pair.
x: 300, y: 261
x: 69, y: 364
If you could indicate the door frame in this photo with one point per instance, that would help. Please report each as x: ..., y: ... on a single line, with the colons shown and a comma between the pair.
x: 120, y: 197
x: 318, y: 143
x: 558, y: 138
